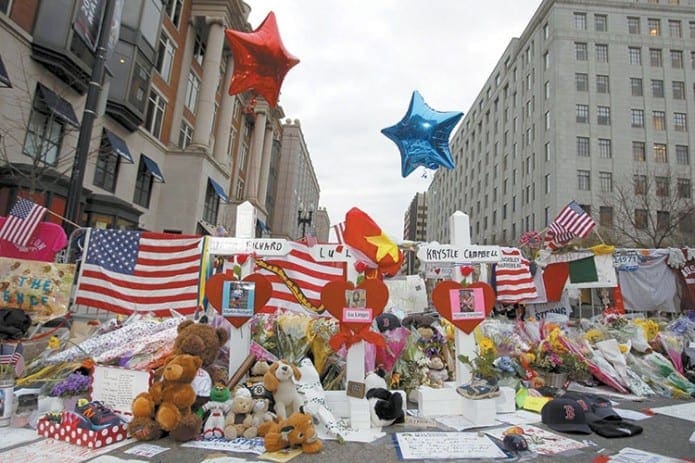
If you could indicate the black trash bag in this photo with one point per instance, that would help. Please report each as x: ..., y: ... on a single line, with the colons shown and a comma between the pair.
x: 14, y: 323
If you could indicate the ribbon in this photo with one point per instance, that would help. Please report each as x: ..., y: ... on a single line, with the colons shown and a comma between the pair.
x: 347, y: 337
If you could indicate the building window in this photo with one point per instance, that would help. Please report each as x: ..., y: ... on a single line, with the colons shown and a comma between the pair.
x: 239, y: 191
x: 640, y: 183
x: 546, y: 92
x: 678, y: 89
x: 633, y: 25
x: 143, y: 185
x: 601, y: 22
x: 601, y: 52
x: 581, y: 82
x: 634, y: 55
x: 654, y: 26
x: 659, y: 120
x: 580, y: 21
x: 165, y: 57
x: 211, y: 205
x: 637, y: 118
x: 661, y: 184
x: 684, y: 189
x: 640, y: 219
x: 655, y: 59
x: 581, y: 51
x: 657, y: 88
x: 674, y: 28
x: 106, y: 169
x: 677, y: 59
x: 582, y: 114
x: 546, y: 31
x: 602, y: 85
x: 192, y: 90
x: 606, y: 181
x: 680, y: 122
x: 636, y: 86
x: 691, y: 25
x: 44, y: 134
x: 173, y: 9
x: 185, y: 135
x: 547, y: 120
x: 547, y: 152
x: 198, y: 48
x: 584, y: 180
x: 583, y: 147
x: 547, y: 183
x: 606, y: 216
x: 663, y: 220
x: 604, y: 148
x: 639, y: 152
x: 682, y: 155
x: 546, y: 60
x: 603, y: 115
x: 155, y: 114
x: 660, y: 153
x: 692, y: 59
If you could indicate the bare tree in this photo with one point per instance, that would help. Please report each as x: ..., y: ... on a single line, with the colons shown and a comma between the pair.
x: 649, y: 209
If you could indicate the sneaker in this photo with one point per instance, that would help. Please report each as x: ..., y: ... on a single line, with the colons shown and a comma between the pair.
x: 96, y: 416
x: 479, y: 388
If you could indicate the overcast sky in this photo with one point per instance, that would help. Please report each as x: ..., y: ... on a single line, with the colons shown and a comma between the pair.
x: 360, y: 62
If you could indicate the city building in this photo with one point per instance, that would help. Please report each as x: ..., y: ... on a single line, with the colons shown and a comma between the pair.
x: 415, y: 229
x: 297, y: 193
x: 592, y: 96
x: 170, y: 149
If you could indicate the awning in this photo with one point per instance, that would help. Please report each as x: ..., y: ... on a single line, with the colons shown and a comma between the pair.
x: 153, y: 168
x: 118, y: 146
x: 58, y: 106
x: 4, y: 78
x: 260, y: 224
x: 219, y: 190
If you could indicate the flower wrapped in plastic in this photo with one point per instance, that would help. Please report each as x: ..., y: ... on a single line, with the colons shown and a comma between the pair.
x: 74, y: 384
x: 264, y: 332
x: 323, y: 328
x: 673, y: 345
x: 294, y: 336
x: 410, y: 370
x: 505, y: 337
x: 662, y: 376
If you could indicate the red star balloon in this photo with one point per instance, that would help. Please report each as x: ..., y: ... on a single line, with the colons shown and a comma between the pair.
x: 260, y: 60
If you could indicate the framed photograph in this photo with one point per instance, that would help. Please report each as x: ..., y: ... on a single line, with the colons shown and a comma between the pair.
x: 467, y: 304
x: 356, y: 298
x: 237, y: 298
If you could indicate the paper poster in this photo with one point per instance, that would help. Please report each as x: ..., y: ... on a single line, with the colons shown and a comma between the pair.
x: 240, y: 444
x: 42, y: 289
x: 630, y: 455
x: 519, y: 417
x: 541, y: 441
x: 684, y: 411
x: 146, y: 450
x: 445, y: 446
x: 16, y: 436
x: 55, y: 450
x: 117, y: 387
x: 237, y: 299
x: 407, y: 294
x: 467, y: 304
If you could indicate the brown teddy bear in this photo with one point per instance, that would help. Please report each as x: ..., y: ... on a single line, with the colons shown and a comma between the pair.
x: 204, y: 341
x: 296, y: 431
x: 167, y: 404
x: 259, y: 368
x: 239, y: 421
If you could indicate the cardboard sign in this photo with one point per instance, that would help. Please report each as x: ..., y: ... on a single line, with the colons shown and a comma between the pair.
x: 117, y: 387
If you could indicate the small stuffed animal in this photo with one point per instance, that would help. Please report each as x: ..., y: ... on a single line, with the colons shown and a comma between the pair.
x: 278, y: 380
x: 261, y: 412
x: 296, y: 431
x: 257, y: 371
x: 167, y: 404
x: 385, y: 407
x: 437, y: 372
x: 219, y: 405
x: 238, y: 422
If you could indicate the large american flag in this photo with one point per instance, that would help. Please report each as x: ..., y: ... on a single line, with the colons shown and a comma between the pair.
x: 303, y: 271
x: 129, y: 271
x: 22, y: 221
x: 571, y: 222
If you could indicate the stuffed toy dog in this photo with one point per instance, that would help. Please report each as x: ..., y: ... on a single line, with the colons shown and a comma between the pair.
x: 385, y: 407
x: 279, y: 380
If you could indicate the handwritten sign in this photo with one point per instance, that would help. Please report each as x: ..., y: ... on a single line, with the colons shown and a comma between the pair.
x: 446, y: 445
x: 225, y: 246
x: 357, y: 315
x: 42, y: 289
x: 435, y: 252
x: 117, y: 387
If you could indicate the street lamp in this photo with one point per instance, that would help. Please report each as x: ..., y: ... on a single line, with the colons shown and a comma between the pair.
x: 304, y: 220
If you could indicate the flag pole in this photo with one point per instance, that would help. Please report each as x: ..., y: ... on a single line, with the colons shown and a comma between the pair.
x: 63, y: 218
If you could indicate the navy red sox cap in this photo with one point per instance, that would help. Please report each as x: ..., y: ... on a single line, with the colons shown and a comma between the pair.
x: 565, y: 415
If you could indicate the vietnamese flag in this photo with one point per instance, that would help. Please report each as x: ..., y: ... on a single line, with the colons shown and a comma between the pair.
x: 364, y: 235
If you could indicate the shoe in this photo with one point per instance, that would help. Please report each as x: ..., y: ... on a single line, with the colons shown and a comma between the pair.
x: 479, y: 388
x: 96, y: 416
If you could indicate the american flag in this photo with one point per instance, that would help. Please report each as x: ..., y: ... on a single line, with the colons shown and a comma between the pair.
x: 22, y: 221
x: 572, y: 219
x: 129, y: 271
x: 339, y: 229
x: 303, y: 271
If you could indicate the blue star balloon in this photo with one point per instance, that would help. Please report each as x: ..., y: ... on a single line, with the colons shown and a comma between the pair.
x: 422, y: 136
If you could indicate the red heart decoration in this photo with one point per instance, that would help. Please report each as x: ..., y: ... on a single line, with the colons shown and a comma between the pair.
x: 442, y: 302
x: 333, y: 299
x: 242, y: 258
x: 466, y: 270
x: 214, y: 287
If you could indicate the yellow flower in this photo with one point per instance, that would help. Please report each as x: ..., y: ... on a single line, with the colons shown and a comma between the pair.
x: 554, y: 340
x: 486, y: 345
x: 54, y: 342
x: 593, y: 335
x: 623, y: 348
x: 650, y: 327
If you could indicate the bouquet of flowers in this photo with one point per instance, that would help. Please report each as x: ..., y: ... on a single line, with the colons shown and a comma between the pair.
x: 75, y: 384
x: 553, y: 356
